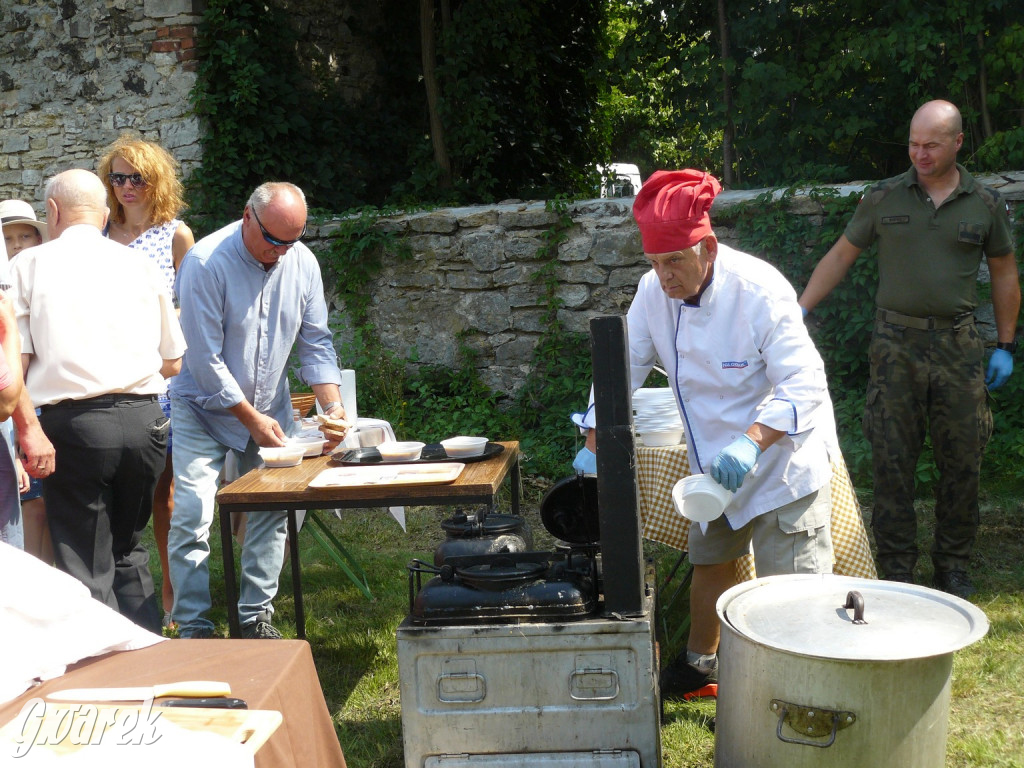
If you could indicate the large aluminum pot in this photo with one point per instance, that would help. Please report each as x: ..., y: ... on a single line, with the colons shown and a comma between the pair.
x: 823, y: 671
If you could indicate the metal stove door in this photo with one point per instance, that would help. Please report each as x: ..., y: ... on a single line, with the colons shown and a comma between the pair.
x: 611, y: 758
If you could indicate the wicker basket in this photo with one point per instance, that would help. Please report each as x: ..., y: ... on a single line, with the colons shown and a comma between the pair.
x: 305, y: 402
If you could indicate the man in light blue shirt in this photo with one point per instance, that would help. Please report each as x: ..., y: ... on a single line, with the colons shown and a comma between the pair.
x: 248, y: 293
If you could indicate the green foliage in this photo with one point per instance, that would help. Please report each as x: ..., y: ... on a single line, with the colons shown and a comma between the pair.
x: 819, y: 91
x: 272, y: 106
x: 841, y: 327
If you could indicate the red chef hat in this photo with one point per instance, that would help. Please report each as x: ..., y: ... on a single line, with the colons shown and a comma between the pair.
x: 672, y: 207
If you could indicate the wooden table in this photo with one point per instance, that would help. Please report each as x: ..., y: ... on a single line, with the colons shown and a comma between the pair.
x: 265, y: 490
x: 278, y: 676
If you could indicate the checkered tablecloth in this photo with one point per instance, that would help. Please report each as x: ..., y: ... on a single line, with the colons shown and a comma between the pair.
x: 658, y: 470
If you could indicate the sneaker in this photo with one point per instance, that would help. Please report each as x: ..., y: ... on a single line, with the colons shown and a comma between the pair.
x: 680, y: 678
x: 260, y: 630
x: 955, y: 582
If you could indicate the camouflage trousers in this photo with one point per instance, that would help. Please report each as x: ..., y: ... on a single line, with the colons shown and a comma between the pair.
x: 926, y: 382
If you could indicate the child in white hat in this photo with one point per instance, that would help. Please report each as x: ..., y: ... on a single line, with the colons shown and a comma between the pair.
x: 21, y: 228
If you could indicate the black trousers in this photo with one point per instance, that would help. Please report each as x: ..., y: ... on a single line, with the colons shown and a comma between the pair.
x: 110, y: 451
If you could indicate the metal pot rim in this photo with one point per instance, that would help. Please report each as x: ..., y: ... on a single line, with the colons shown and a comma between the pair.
x: 804, y: 614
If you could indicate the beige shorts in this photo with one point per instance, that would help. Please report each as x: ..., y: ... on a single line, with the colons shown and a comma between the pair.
x: 795, y: 538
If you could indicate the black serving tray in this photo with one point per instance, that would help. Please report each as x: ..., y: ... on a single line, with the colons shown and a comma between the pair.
x: 432, y: 453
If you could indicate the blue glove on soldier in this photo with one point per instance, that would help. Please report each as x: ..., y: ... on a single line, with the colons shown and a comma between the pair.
x: 585, y: 462
x: 1000, y: 366
x: 735, y: 460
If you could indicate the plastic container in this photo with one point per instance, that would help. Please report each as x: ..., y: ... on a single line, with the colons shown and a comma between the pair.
x: 312, y: 446
x: 700, y: 499
x: 662, y: 437
x: 462, y: 447
x: 399, y: 451
x: 288, y: 456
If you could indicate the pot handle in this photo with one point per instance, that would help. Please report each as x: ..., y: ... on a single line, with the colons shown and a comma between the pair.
x: 855, y: 600
x: 810, y: 721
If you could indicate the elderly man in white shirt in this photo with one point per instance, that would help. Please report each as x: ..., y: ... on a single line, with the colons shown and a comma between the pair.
x: 100, y: 334
x: 751, y: 388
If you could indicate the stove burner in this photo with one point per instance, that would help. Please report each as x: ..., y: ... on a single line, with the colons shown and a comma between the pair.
x: 522, y: 586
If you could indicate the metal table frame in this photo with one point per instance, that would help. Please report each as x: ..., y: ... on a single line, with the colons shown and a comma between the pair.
x: 265, y: 490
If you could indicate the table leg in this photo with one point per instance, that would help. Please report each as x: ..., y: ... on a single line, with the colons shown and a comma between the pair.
x: 300, y: 613
x: 516, y: 483
x: 230, y: 588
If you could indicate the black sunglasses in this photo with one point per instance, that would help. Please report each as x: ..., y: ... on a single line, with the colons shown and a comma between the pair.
x: 273, y: 240
x: 120, y: 179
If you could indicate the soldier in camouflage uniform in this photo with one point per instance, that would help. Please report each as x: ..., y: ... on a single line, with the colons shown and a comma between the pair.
x: 933, y: 225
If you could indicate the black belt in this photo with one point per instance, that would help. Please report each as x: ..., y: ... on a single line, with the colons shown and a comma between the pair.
x: 98, y: 402
x: 924, y: 323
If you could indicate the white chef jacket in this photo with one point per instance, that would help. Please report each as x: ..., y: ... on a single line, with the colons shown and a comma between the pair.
x: 740, y: 355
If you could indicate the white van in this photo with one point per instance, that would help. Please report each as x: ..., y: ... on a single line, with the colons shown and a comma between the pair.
x: 620, y: 180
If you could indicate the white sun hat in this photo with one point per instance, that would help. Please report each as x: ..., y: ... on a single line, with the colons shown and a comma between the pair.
x: 20, y: 212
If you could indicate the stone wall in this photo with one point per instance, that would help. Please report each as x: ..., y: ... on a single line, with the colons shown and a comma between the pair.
x: 469, y: 278
x: 76, y: 73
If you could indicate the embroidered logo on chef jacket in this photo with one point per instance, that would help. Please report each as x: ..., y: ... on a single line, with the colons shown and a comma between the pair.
x: 734, y: 364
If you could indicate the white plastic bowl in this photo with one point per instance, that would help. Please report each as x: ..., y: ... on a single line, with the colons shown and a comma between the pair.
x: 463, y: 447
x: 397, y: 451
x: 311, y: 446
x: 662, y: 437
x: 699, y: 498
x: 288, y: 456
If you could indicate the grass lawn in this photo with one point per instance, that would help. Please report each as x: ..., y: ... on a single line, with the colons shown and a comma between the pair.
x: 353, y: 639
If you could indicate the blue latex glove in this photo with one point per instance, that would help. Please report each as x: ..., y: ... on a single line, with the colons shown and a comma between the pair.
x: 585, y: 462
x: 734, y: 461
x: 1000, y: 366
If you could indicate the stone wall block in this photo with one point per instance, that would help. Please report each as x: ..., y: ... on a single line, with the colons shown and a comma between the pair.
x: 485, y: 311
x: 577, y: 247
x: 530, y: 320
x: 485, y: 253
x: 626, y: 277
x: 587, y: 274
x: 573, y: 296
x: 523, y: 246
x: 475, y: 216
x: 509, y: 275
x: 524, y: 295
x: 463, y: 280
x: 615, y: 247
x: 433, y: 221
x: 530, y: 217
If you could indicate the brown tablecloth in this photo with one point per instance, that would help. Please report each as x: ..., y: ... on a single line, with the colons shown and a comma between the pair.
x: 658, y: 470
x: 269, y: 674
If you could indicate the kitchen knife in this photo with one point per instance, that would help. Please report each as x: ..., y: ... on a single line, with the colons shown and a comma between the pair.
x: 188, y: 689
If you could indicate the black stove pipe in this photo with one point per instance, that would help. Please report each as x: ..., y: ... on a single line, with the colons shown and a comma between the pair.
x: 617, y: 500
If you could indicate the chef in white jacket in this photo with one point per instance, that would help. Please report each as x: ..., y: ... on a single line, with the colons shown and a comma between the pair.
x: 751, y: 389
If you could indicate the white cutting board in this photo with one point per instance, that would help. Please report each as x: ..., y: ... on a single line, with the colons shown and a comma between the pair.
x: 384, y: 474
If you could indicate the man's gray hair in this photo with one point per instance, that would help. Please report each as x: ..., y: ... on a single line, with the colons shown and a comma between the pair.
x: 264, y: 193
x: 77, y: 188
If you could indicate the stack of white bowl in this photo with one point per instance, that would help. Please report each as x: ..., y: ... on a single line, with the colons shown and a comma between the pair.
x: 656, y: 418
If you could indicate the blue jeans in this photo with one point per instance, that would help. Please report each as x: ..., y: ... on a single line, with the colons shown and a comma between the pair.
x: 10, y: 508
x: 198, y: 460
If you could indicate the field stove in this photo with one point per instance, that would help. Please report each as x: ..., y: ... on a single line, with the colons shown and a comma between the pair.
x: 542, y: 659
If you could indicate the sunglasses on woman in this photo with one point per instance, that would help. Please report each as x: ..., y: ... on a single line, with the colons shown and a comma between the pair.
x: 273, y: 240
x: 120, y: 179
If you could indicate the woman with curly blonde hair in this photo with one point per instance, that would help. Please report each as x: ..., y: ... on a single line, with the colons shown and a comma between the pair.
x: 144, y: 194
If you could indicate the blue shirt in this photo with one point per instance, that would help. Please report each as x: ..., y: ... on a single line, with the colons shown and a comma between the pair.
x: 241, y: 322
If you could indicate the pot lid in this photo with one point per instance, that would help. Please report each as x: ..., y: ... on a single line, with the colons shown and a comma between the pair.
x: 806, y: 614
x: 569, y: 510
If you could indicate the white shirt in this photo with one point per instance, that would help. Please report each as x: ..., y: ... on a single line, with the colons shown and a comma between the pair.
x: 741, y: 355
x: 96, y: 318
